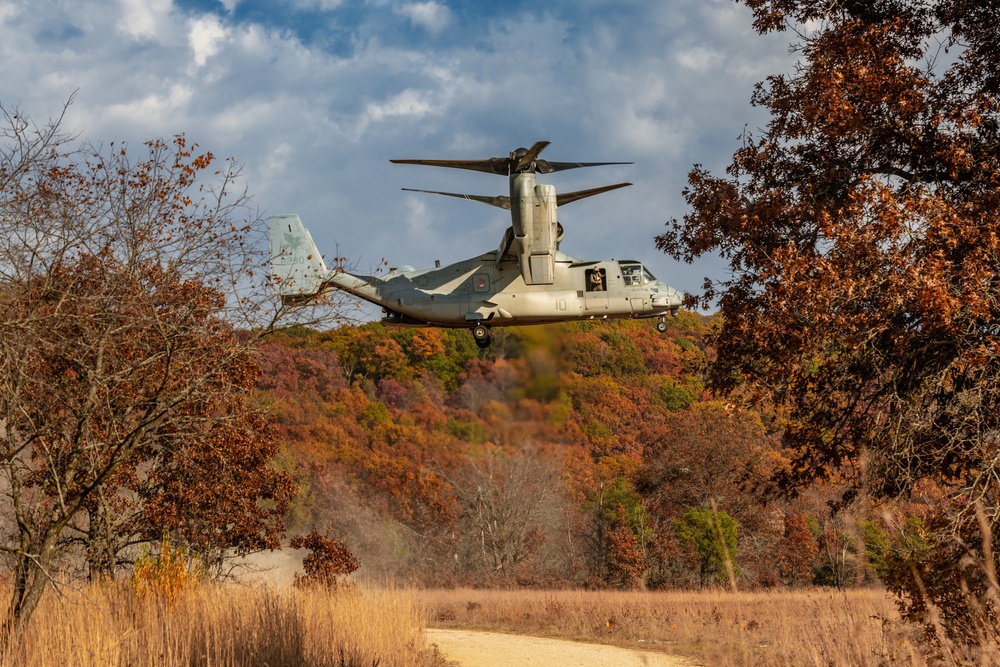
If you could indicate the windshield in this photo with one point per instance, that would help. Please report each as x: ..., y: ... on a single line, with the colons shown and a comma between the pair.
x: 634, y: 273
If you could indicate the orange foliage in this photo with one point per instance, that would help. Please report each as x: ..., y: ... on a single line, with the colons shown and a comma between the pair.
x: 166, y: 574
x: 402, y: 444
x: 426, y: 343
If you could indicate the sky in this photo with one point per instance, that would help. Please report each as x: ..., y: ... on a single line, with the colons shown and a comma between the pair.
x: 314, y: 97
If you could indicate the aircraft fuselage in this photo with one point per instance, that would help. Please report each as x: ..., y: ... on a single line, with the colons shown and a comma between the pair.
x: 483, y: 291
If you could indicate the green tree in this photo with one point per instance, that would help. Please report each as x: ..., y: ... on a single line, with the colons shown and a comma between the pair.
x: 369, y: 352
x: 714, y: 536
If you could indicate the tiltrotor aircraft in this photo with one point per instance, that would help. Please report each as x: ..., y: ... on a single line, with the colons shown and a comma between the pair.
x: 526, y: 280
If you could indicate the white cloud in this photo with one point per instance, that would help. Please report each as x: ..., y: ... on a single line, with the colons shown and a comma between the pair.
x: 409, y: 103
x: 205, y: 36
x: 403, y: 107
x: 8, y: 10
x: 142, y: 19
x: 700, y: 59
x: 315, y: 115
x: 428, y: 15
x: 153, y: 111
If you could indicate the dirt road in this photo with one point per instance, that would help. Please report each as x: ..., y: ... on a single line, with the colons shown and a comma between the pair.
x: 492, y: 649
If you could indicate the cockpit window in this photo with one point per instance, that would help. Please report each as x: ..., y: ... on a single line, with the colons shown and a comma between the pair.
x: 633, y: 274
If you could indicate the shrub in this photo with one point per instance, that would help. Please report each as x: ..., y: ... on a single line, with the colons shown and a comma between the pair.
x: 329, y: 559
x: 166, y: 573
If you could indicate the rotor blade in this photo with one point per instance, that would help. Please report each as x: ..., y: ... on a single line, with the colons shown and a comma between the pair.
x: 524, y: 161
x: 569, y: 197
x: 500, y: 201
x: 494, y: 165
x: 546, y: 167
x: 519, y: 161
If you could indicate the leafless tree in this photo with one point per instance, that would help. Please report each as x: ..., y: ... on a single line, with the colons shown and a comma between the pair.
x: 502, y: 495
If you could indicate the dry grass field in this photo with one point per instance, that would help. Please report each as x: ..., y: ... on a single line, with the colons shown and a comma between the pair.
x: 251, y: 625
x: 225, y: 626
x: 803, y: 627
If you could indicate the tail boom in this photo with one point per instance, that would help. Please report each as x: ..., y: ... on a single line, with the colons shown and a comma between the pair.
x: 298, y: 272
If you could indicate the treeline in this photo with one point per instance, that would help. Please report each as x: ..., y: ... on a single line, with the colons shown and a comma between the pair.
x: 581, y: 454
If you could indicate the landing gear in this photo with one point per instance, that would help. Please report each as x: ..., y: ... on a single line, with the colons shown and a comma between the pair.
x: 481, y: 333
x: 661, y: 325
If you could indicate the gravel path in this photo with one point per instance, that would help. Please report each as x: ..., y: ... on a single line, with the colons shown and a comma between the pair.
x: 492, y: 649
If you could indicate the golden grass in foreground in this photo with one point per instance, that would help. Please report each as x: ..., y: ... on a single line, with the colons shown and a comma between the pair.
x: 803, y: 627
x: 225, y: 626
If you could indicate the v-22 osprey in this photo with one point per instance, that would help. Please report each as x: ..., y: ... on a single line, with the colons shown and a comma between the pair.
x: 526, y: 280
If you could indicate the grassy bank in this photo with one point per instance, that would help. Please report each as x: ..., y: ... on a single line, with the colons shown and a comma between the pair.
x: 807, y: 627
x: 225, y: 626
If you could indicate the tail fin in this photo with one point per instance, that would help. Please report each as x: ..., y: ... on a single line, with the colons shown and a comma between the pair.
x: 297, y: 268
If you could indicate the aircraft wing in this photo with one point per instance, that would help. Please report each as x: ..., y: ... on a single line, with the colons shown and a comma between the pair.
x: 569, y: 197
x: 503, y: 201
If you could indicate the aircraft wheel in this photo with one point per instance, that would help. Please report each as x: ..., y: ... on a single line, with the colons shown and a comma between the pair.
x: 483, y: 344
x: 661, y: 326
x: 481, y: 332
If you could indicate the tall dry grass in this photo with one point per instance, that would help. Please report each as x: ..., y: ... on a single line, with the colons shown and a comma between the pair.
x: 233, y: 625
x: 718, y: 627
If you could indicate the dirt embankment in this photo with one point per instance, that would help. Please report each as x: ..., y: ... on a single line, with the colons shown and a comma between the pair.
x: 470, y: 648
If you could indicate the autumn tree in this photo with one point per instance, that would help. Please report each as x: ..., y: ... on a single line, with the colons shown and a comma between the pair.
x: 861, y: 229
x: 711, y: 454
x: 626, y: 561
x: 797, y: 550
x: 125, y: 386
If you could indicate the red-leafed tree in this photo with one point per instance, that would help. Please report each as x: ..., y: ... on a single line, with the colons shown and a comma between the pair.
x: 797, y: 551
x: 862, y: 233
x: 197, y: 467
x: 125, y: 388
x: 626, y: 562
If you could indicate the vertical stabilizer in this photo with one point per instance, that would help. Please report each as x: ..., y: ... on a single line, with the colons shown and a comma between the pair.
x: 297, y: 268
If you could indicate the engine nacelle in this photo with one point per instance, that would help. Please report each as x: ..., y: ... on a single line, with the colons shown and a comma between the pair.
x: 536, y: 231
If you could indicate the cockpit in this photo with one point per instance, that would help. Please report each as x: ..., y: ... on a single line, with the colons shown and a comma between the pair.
x: 635, y: 274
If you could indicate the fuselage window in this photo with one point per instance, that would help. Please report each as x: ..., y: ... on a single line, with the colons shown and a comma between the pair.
x: 596, y: 280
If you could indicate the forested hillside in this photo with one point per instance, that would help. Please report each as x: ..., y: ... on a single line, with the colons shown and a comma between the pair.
x: 584, y: 454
